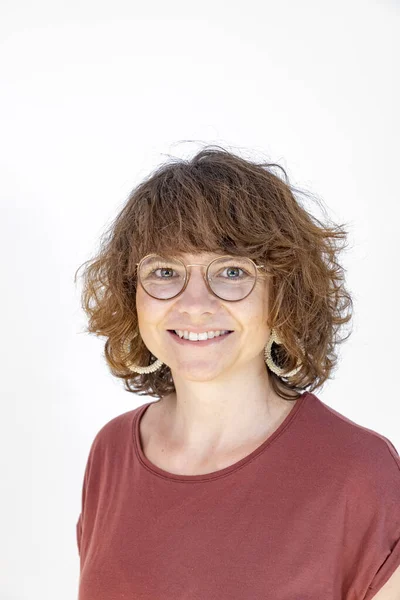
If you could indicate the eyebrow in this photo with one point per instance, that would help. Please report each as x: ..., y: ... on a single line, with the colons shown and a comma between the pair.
x: 211, y: 255
x: 198, y: 258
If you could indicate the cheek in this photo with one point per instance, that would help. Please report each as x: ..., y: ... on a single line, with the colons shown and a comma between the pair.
x: 262, y: 306
x: 255, y: 314
x: 148, y: 309
x: 144, y: 313
x: 140, y: 305
x: 257, y: 322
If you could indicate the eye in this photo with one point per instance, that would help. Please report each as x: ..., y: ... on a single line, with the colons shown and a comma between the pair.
x: 233, y: 269
x: 163, y: 269
x: 152, y: 269
x: 236, y: 273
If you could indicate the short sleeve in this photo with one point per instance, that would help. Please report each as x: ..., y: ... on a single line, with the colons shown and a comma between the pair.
x: 376, y: 520
x: 80, y: 525
x: 385, y: 571
x: 79, y: 533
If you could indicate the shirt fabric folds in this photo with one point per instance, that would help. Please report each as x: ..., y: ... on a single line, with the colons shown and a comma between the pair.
x: 313, y: 513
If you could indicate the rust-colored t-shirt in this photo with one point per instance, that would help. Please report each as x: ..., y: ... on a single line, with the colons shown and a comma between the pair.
x: 313, y: 513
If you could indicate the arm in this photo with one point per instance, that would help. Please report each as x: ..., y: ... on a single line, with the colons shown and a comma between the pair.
x: 391, y: 589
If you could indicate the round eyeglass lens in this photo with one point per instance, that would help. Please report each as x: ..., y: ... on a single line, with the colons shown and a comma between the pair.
x: 230, y: 278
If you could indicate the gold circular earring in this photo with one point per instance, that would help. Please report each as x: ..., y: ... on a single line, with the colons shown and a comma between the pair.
x: 274, y: 338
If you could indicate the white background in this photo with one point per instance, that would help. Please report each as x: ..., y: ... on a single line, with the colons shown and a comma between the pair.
x: 93, y: 97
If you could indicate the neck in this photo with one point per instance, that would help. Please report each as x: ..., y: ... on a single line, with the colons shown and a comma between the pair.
x: 200, y: 418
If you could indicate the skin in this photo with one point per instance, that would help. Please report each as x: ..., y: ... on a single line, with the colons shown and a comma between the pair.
x: 223, y: 400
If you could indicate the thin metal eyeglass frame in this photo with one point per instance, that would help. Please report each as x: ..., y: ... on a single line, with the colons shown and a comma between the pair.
x: 206, y: 277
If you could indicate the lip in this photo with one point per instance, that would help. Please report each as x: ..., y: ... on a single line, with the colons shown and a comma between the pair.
x: 209, y: 342
x: 190, y: 330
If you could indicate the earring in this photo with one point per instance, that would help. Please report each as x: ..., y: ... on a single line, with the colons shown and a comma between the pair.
x: 136, y: 369
x: 274, y: 338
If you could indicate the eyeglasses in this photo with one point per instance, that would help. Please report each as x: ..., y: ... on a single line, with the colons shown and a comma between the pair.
x: 173, y: 277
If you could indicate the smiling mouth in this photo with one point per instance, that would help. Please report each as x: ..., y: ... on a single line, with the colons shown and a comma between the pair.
x: 207, y: 339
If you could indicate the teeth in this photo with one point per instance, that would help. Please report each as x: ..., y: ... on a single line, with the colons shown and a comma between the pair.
x: 199, y: 336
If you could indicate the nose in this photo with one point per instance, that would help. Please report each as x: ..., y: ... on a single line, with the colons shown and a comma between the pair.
x: 197, y: 288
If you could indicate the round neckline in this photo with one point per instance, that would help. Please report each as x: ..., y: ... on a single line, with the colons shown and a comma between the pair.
x: 214, y: 474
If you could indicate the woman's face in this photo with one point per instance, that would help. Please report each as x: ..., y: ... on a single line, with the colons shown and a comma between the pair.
x: 199, y: 309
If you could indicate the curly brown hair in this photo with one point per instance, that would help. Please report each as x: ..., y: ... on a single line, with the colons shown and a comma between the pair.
x: 218, y: 201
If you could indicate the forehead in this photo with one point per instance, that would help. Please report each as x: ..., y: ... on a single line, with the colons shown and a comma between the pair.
x: 201, y: 257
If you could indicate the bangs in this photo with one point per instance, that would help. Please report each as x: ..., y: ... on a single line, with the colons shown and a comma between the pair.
x: 192, y: 210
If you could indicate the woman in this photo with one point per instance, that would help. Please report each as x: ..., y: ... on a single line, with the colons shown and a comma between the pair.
x: 222, y: 297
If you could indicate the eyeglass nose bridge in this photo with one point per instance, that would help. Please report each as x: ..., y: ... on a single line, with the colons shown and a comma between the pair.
x: 198, y: 265
x: 206, y: 279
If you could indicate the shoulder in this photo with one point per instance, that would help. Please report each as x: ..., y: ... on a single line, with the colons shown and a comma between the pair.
x: 335, y: 426
x: 368, y: 455
x: 116, y: 430
x: 363, y: 467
